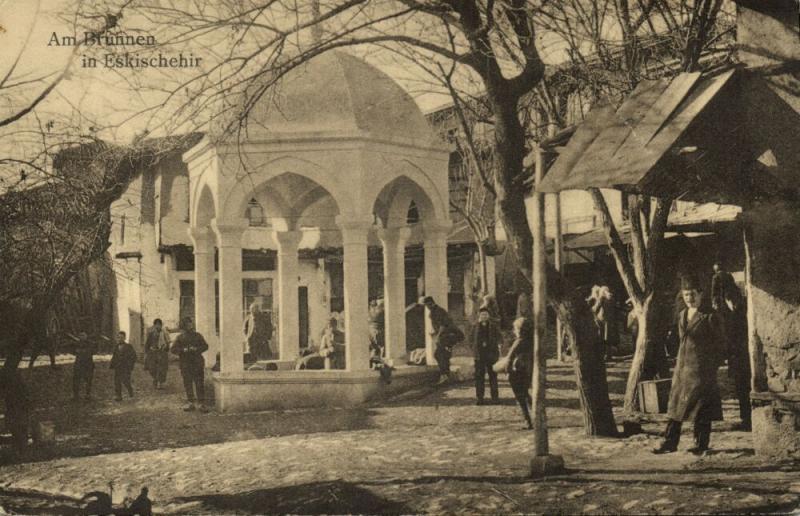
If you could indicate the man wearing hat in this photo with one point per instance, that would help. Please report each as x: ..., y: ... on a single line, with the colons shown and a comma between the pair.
x: 694, y: 394
x: 445, y: 336
x: 189, y: 346
x: 486, y: 339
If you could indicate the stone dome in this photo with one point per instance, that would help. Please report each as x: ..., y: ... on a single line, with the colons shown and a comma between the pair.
x: 335, y: 94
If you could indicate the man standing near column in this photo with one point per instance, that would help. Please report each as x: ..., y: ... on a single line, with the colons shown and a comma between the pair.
x: 445, y: 335
x: 189, y: 346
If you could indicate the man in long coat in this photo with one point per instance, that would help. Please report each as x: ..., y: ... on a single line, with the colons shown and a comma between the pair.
x: 445, y: 335
x: 694, y: 395
x: 156, y: 350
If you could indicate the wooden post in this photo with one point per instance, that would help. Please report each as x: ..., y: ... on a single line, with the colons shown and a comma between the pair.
x: 542, y: 463
x: 758, y: 367
x: 558, y: 256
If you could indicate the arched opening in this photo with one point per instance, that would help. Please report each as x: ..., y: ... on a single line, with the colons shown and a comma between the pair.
x: 407, y: 214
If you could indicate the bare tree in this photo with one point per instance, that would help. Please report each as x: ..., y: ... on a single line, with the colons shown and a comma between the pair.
x: 656, y: 38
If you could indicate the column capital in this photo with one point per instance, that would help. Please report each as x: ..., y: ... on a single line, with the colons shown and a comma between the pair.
x: 354, y: 229
x: 394, y: 236
x: 288, y: 241
x: 436, y: 227
x: 229, y: 232
x: 436, y: 232
x: 203, y: 239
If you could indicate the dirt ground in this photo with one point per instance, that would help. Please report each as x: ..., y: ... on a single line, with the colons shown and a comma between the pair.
x: 429, y: 451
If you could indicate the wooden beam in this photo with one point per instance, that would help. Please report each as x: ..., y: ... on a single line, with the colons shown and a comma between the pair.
x: 539, y: 275
x: 758, y: 367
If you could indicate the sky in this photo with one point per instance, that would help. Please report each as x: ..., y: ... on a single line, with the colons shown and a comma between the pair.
x: 109, y: 98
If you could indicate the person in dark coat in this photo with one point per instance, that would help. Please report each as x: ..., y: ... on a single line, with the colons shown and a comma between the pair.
x: 729, y: 303
x: 258, y: 333
x: 45, y: 339
x: 445, y: 335
x: 486, y: 339
x: 723, y: 287
x: 142, y: 504
x: 156, y: 350
x: 694, y: 395
x: 83, y: 369
x: 122, y: 362
x: 189, y: 346
x: 520, y: 366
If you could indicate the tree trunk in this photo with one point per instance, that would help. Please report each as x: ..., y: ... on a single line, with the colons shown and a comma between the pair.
x: 509, y: 181
x: 590, y: 368
x: 484, y: 271
x: 648, y: 357
x: 18, y: 408
x: 587, y: 353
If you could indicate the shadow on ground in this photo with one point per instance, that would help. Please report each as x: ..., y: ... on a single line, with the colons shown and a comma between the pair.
x: 335, y: 497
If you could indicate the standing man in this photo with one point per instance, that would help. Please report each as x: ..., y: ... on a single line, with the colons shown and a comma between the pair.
x: 486, y: 339
x: 445, y: 335
x: 156, y: 350
x: 257, y: 333
x: 723, y: 287
x: 694, y: 394
x: 122, y: 362
x: 189, y: 346
x: 729, y: 303
x: 83, y: 369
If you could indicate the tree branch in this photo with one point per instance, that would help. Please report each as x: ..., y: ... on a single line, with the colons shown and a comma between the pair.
x: 618, y: 250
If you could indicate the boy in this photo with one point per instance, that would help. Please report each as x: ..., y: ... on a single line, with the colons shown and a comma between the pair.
x: 486, y: 339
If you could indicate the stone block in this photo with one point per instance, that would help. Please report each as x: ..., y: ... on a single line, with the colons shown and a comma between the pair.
x: 775, y: 432
x: 545, y: 465
x: 776, y: 384
x: 793, y: 386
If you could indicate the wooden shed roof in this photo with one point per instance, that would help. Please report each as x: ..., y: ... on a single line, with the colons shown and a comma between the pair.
x: 692, y: 137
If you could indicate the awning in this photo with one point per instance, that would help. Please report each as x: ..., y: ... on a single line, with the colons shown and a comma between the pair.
x: 597, y: 238
x: 690, y: 137
x: 695, y: 221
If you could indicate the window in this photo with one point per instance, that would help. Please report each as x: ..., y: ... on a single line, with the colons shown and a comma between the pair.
x: 186, y: 305
x: 412, y: 217
x: 122, y: 230
x: 256, y: 291
x: 255, y: 213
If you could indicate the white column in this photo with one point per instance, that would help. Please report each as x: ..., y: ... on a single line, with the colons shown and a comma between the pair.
x: 204, y: 304
x: 435, y: 274
x: 288, y: 321
x: 394, y: 289
x: 356, y: 294
x: 229, y: 242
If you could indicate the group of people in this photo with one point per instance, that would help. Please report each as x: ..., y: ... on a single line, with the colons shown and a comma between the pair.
x: 707, y: 338
x: 188, y: 346
x: 486, y: 339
